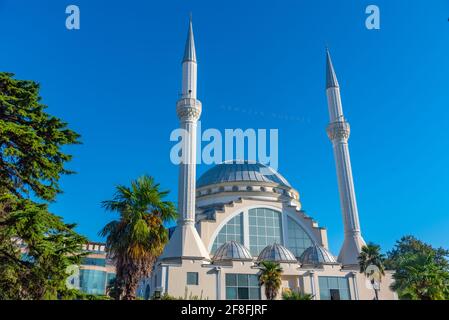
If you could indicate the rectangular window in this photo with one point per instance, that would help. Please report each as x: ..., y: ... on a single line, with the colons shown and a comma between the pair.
x: 101, y: 262
x: 192, y: 278
x: 334, y: 288
x: 93, y: 281
x: 242, y: 287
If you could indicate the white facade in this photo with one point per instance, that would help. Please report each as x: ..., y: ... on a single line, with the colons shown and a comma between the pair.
x: 233, y: 217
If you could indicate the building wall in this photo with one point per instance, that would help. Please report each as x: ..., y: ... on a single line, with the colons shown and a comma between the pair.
x: 212, y: 280
x: 96, y: 270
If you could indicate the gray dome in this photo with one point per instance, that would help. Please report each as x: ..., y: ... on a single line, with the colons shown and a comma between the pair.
x: 241, y: 171
x: 232, y: 250
x: 316, y: 255
x: 276, y: 252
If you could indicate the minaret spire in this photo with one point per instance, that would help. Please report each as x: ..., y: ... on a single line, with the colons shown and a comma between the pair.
x: 185, y: 241
x: 338, y: 132
x: 331, y: 77
x: 189, y: 51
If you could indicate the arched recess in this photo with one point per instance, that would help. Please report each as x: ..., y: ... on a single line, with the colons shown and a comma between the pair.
x: 258, y: 226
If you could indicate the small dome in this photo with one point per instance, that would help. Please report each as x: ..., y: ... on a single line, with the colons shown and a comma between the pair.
x: 316, y: 255
x: 276, y: 252
x: 232, y: 250
x: 241, y: 171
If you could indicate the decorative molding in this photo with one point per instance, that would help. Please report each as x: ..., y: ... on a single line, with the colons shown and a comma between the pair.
x: 188, y: 109
x: 339, y: 131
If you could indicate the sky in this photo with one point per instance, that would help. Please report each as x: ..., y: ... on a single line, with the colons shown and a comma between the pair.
x: 261, y: 65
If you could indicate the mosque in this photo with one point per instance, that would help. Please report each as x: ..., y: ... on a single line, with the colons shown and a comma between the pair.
x: 240, y: 213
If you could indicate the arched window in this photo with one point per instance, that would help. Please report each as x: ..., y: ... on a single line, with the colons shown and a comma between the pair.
x: 233, y: 230
x: 298, y: 240
x: 265, y: 227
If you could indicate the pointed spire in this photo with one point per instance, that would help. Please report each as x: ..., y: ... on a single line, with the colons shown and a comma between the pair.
x: 189, y: 52
x: 331, y: 77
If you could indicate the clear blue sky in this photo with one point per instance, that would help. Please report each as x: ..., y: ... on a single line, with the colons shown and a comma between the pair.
x: 116, y: 82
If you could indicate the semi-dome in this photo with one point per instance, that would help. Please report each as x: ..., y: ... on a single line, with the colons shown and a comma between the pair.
x: 241, y: 171
x: 277, y: 253
x: 232, y: 250
x: 316, y: 255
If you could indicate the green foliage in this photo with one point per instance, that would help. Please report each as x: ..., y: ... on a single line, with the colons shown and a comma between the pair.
x: 408, y: 246
x: 187, y: 296
x: 295, y: 295
x: 30, y: 141
x: 74, y: 294
x: 270, y: 277
x: 36, y: 247
x: 138, y: 237
x: 421, y: 271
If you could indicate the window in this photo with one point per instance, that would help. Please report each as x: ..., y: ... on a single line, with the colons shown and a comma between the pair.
x: 94, y: 262
x: 93, y: 281
x: 334, y: 288
x: 192, y: 278
x: 264, y: 229
x: 231, y: 231
x: 298, y: 240
x: 242, y: 287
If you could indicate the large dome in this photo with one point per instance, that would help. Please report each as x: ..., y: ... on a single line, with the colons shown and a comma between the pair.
x: 241, y: 171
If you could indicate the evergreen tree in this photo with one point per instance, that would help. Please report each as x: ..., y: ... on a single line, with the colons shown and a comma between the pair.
x: 36, y: 246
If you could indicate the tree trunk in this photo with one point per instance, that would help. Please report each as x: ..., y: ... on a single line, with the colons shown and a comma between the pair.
x: 376, y: 294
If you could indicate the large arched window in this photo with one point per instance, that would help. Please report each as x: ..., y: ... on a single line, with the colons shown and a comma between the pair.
x: 233, y: 230
x: 298, y: 240
x: 265, y: 227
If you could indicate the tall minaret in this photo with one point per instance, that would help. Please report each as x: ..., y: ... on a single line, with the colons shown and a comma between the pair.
x: 185, y: 241
x: 338, y: 132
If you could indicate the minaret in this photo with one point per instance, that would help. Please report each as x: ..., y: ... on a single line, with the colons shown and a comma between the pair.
x: 338, y: 132
x: 185, y: 241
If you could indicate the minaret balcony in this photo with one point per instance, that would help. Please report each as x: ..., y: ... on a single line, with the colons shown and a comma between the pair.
x: 338, y: 130
x: 188, y: 108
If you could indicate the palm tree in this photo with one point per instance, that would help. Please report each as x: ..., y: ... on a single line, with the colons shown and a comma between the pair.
x: 371, y: 257
x: 270, y: 276
x: 138, y: 237
x: 296, y: 295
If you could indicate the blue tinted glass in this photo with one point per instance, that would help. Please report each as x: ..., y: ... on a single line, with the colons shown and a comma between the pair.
x: 231, y: 293
x: 242, y: 280
x: 254, y: 293
x: 94, y: 262
x: 231, y: 280
x: 192, y: 278
x: 93, y: 281
x: 243, y: 293
x: 253, y: 280
x: 298, y: 240
x: 231, y: 231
